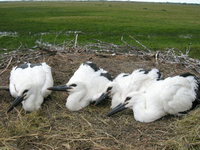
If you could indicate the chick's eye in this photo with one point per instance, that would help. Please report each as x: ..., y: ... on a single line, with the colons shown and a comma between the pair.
x: 109, y: 88
x: 127, y: 99
x: 25, y: 91
x: 74, y: 85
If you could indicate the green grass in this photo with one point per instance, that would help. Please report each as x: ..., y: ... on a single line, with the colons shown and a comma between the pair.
x: 157, y: 26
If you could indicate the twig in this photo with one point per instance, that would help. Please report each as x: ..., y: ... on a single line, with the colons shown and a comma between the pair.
x: 105, y: 55
x: 83, y: 139
x: 156, y: 57
x: 75, y: 43
x: 86, y: 121
x: 4, y: 87
x: 7, y: 66
x: 140, y: 131
x: 100, y: 41
x: 104, y: 49
x: 41, y: 39
x: 140, y: 44
x: 103, y: 121
x: 43, y: 145
x: 132, y: 47
x: 56, y: 37
x: 99, y: 146
x: 188, y: 50
x: 14, y: 138
x: 20, y: 46
x: 112, y: 137
x: 122, y: 39
x: 68, y: 43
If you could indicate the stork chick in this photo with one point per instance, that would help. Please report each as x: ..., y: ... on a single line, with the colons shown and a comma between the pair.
x: 85, y: 86
x: 28, y: 84
x: 124, y: 83
x: 174, y: 95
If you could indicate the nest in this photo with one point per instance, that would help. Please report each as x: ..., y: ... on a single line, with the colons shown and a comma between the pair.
x: 172, y: 56
x: 55, y: 127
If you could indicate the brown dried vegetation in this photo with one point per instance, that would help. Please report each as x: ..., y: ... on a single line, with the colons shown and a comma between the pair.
x: 55, y: 127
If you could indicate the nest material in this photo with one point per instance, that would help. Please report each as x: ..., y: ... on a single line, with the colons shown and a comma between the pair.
x: 172, y: 56
x: 55, y: 127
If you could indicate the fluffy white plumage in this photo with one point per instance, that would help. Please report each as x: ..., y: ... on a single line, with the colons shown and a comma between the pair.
x: 86, y: 85
x: 124, y: 83
x: 170, y: 96
x: 28, y: 84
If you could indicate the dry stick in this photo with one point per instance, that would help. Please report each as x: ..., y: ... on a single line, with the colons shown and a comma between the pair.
x: 140, y: 43
x: 111, y: 137
x: 84, y: 139
x: 99, y: 146
x: 101, y: 41
x: 43, y: 145
x: 63, y: 46
x: 156, y: 57
x: 19, y: 46
x: 122, y: 39
x: 35, y: 146
x: 4, y: 87
x: 75, y: 41
x: 105, y: 55
x: 67, y: 146
x: 5, y: 50
x: 188, y: 50
x: 68, y: 43
x: 77, y: 139
x: 106, y: 45
x: 7, y: 66
x: 132, y: 47
x: 195, y: 143
x: 14, y: 138
x: 178, y: 57
x: 41, y: 39
x: 86, y: 121
x: 103, y: 121
x: 56, y: 37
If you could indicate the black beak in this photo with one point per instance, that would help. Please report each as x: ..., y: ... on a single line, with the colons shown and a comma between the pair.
x: 18, y: 100
x: 118, y: 108
x: 59, y: 88
x: 101, y: 98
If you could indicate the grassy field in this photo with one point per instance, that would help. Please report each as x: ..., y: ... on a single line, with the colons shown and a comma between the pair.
x: 157, y: 26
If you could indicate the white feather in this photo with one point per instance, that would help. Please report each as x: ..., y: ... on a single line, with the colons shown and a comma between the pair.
x: 90, y: 85
x: 126, y: 83
x: 34, y: 79
x: 170, y: 96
